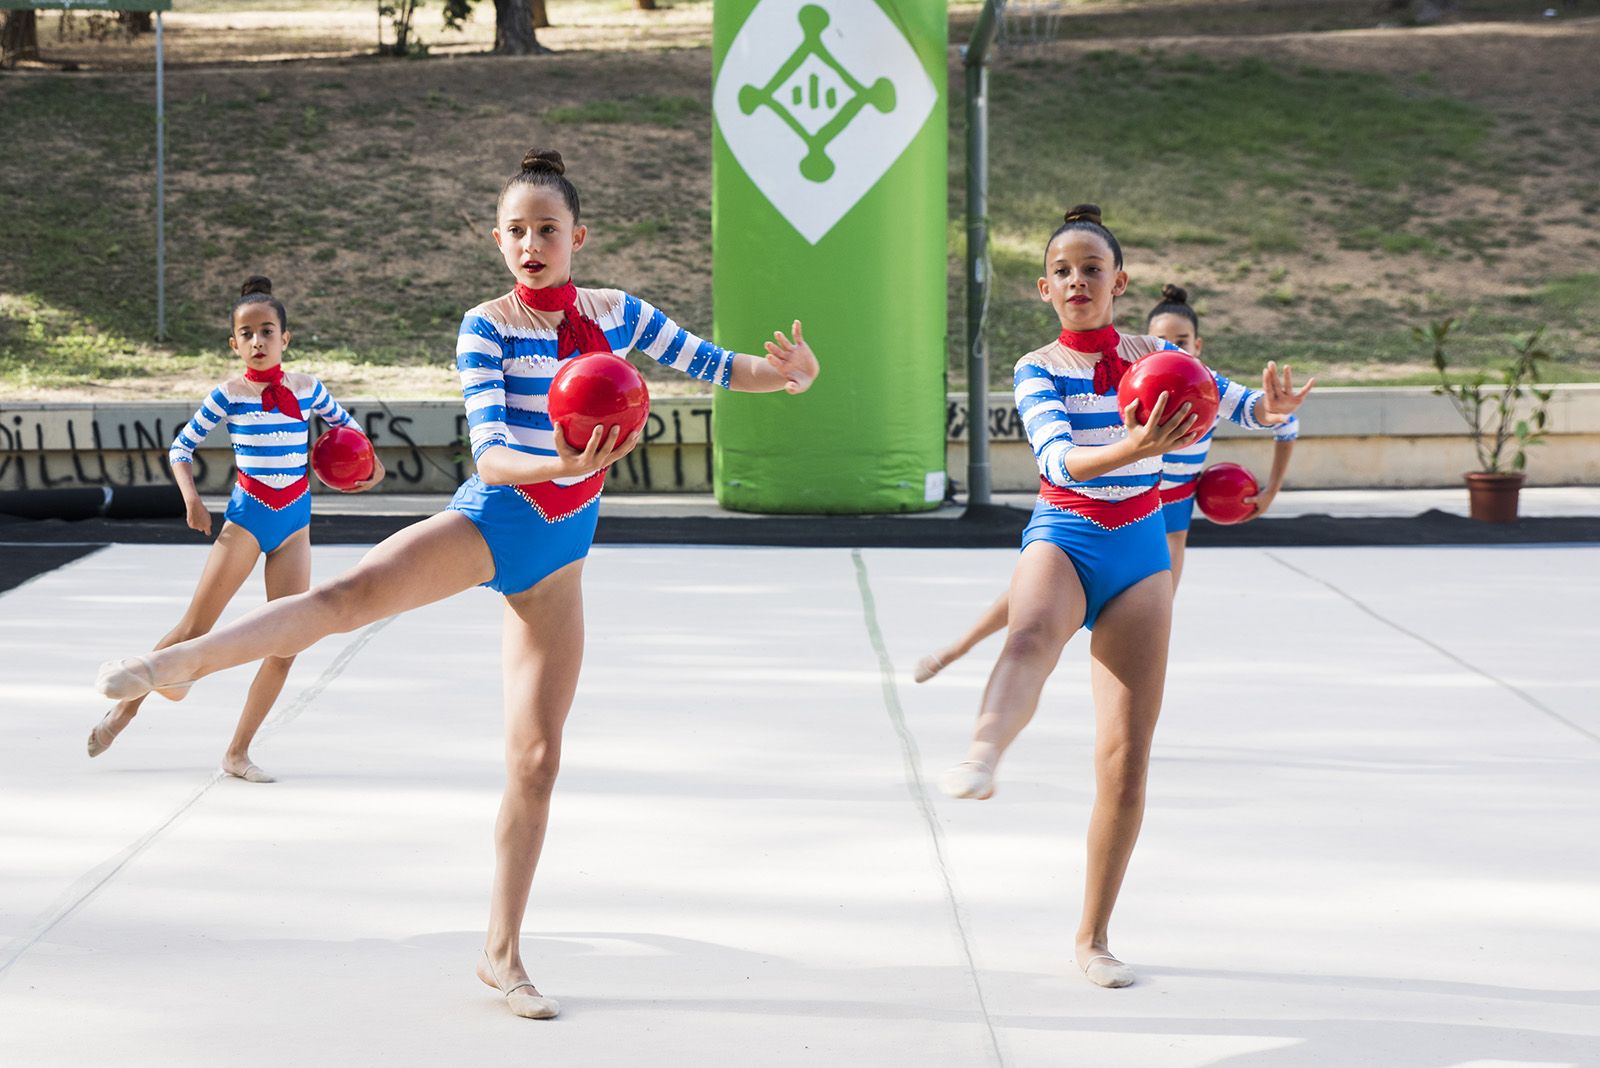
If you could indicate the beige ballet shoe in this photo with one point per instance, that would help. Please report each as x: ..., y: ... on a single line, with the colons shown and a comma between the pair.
x: 123, y: 683
x: 530, y: 1006
x: 1106, y: 970
x: 101, y: 735
x: 251, y: 773
x: 927, y: 668
x: 971, y: 779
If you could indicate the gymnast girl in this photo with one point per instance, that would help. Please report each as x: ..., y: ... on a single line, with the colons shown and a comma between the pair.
x: 1175, y: 322
x: 521, y: 525
x: 268, y: 412
x: 1094, y: 555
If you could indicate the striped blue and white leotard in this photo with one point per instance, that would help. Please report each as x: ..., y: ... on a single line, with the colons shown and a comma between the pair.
x: 506, y: 354
x: 272, y: 498
x: 1109, y: 526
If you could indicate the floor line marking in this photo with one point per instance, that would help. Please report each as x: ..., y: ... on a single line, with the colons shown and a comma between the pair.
x: 918, y: 788
x: 1529, y: 699
x: 86, y: 886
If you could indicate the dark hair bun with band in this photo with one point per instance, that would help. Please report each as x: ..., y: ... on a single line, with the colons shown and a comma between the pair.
x: 1089, y: 213
x: 543, y: 161
x: 1171, y: 294
x: 256, y: 283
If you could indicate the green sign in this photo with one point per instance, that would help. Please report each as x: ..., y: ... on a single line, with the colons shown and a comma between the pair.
x: 86, y: 5
x: 829, y: 205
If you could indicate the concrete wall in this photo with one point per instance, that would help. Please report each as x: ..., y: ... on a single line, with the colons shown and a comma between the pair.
x: 1351, y: 438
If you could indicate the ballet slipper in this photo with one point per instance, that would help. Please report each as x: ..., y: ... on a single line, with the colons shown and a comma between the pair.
x: 101, y: 735
x: 122, y: 683
x: 531, y: 1006
x: 927, y: 668
x: 251, y: 773
x: 969, y: 779
x: 1106, y: 970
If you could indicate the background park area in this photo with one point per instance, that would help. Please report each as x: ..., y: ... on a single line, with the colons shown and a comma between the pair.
x: 1319, y: 175
x: 1376, y: 771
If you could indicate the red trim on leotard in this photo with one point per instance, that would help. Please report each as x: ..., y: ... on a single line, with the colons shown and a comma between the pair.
x: 1108, y: 515
x: 1181, y: 492
x: 276, y: 499
x: 555, y: 502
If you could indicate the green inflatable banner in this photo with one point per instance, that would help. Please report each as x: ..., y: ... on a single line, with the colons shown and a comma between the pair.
x: 829, y: 163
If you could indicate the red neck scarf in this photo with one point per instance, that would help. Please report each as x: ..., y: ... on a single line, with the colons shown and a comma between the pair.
x: 577, y: 332
x: 277, y: 395
x: 1108, y: 372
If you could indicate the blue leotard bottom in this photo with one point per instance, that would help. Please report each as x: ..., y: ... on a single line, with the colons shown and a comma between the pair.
x: 1107, y: 561
x: 527, y: 548
x: 270, y: 527
x: 1176, y: 514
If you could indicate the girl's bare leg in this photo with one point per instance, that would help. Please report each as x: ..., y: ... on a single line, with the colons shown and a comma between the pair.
x: 1047, y: 606
x: 228, y: 564
x: 992, y: 620
x: 1177, y: 541
x: 542, y: 651
x: 429, y: 561
x: 288, y: 573
x: 1128, y: 673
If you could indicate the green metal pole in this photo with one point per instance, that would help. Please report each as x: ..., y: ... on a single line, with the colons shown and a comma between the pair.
x: 161, y: 185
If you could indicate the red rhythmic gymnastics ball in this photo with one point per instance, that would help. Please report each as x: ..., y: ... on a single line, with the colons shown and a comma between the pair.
x: 343, y: 457
x: 1183, y: 378
x: 1221, y: 491
x: 598, y: 389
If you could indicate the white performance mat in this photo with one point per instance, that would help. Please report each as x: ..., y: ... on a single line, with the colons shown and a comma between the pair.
x: 1370, y: 840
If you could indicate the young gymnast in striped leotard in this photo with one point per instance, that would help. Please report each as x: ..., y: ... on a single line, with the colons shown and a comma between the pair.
x: 521, y: 525
x: 1176, y: 323
x: 267, y: 411
x: 1094, y: 555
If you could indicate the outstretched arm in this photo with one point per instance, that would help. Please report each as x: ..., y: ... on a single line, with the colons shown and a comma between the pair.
x: 789, y: 365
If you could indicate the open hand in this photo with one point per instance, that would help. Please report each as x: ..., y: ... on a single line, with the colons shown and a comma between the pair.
x: 794, y: 360
x: 603, y: 450
x: 371, y: 480
x: 1154, y: 437
x: 1281, y: 400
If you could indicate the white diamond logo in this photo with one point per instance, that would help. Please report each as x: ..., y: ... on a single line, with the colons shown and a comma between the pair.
x: 816, y: 99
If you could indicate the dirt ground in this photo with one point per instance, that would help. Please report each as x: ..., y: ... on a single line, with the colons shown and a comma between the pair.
x: 651, y: 184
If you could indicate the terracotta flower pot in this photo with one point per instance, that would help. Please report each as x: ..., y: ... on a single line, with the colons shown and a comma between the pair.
x: 1492, y: 498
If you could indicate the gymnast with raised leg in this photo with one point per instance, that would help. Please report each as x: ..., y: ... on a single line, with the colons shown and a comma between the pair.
x: 521, y: 525
x: 1174, y: 321
x: 1094, y: 556
x: 267, y: 411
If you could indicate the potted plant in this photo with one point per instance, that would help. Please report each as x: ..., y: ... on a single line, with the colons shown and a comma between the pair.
x: 1501, y: 436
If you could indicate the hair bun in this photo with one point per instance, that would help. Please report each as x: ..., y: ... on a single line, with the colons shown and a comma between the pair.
x: 1172, y: 294
x: 537, y: 160
x: 256, y: 283
x: 1089, y: 213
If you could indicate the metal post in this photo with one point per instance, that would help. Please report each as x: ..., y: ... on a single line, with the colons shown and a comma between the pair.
x: 978, y: 480
x: 161, y: 187
x: 975, y: 56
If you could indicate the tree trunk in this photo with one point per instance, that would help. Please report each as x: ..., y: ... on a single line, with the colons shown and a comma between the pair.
x: 644, y: 5
x: 19, y: 37
x: 136, y: 22
x: 513, y: 29
x: 541, y: 20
